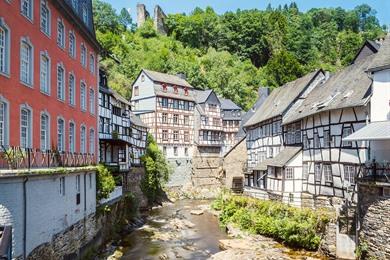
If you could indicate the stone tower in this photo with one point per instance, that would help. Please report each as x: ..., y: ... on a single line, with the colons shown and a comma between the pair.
x: 159, y: 19
x: 142, y: 14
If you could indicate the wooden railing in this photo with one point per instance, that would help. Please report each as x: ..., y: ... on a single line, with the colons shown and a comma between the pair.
x: 28, y: 158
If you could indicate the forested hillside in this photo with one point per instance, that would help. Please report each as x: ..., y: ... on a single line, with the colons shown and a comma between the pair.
x: 235, y: 52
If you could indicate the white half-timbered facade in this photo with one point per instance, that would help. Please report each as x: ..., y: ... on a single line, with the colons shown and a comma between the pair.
x: 165, y: 103
x: 231, y: 121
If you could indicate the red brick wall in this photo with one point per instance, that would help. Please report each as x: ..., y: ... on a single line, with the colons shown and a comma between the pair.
x: 17, y: 93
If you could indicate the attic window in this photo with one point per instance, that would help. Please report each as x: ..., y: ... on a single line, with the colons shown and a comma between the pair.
x: 142, y: 78
x: 176, y: 90
x: 164, y: 88
x: 186, y: 91
x: 136, y: 91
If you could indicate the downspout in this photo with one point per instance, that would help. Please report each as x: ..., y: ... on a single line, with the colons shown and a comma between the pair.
x: 25, y: 179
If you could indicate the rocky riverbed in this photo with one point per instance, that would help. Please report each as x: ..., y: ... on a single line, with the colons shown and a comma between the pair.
x: 189, y: 229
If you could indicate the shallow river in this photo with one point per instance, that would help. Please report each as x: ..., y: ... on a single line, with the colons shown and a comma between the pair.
x: 172, y: 232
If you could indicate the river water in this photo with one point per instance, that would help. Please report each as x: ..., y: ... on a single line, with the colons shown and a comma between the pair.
x: 172, y: 232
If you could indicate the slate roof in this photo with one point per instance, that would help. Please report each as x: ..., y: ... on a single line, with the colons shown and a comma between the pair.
x: 372, y: 131
x: 382, y: 58
x: 134, y: 119
x: 167, y: 78
x: 227, y: 104
x: 201, y: 96
x: 349, y: 87
x: 280, y: 99
x: 120, y: 98
x: 280, y: 160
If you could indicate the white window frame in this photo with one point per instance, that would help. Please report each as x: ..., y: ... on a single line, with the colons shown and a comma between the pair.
x: 61, y: 84
x: 92, y: 137
x: 83, y: 55
x: 347, y: 130
x: 84, y: 13
x: 317, y: 172
x: 30, y: 12
x: 92, y: 63
x: 61, y: 35
x: 29, y: 81
x: 44, y: 137
x: 72, y: 89
x: 305, y: 170
x: 29, y: 127
x: 349, y: 173
x: 83, y: 139
x: 46, y: 29
x: 5, y: 49
x: 92, y: 99
x: 61, y: 139
x: 45, y: 88
x: 83, y: 96
x: 4, y: 123
x: 62, y: 186
x: 289, y: 173
x: 72, y: 45
x: 327, y: 172
x: 72, y: 136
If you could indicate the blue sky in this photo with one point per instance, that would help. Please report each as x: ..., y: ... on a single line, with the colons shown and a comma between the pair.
x: 220, y: 6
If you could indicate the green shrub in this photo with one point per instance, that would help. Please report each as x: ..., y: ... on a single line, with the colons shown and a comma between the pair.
x: 105, y: 182
x: 293, y: 226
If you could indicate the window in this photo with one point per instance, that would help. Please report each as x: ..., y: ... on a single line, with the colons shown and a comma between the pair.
x: 27, y: 8
x: 291, y: 198
x: 85, y: 14
x: 165, y: 135
x: 289, y: 173
x: 72, y: 45
x: 175, y: 118
x: 186, y: 91
x: 186, y: 136
x: 45, y: 18
x: 45, y: 74
x: 83, y: 55
x: 176, y: 90
x: 72, y: 137
x: 60, y: 82
x: 164, y: 102
x: 3, y: 124
x: 45, y: 123
x: 317, y: 143
x: 83, y: 140
x: 349, y: 174
x: 327, y: 139
x: 317, y: 172
x: 62, y: 186
x: 92, y: 141
x: 136, y: 91
x: 72, y: 90
x: 92, y: 63
x: 142, y: 78
x: 61, y: 34
x: 271, y: 152
x: 186, y: 120
x: 78, y: 190
x: 90, y: 180
x: 305, y: 170
x: 175, y: 153
x: 60, y: 135
x: 327, y: 169
x: 4, y: 48
x: 83, y: 97
x: 164, y: 118
x: 26, y: 63
x: 176, y: 135
x: 92, y: 101
x: 25, y: 128
x: 74, y: 4
x: 346, y: 132
x: 164, y: 87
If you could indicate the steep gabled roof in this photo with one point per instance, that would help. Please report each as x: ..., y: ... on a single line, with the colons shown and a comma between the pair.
x: 201, y: 96
x: 349, y: 87
x: 227, y: 104
x: 382, y: 58
x: 166, y: 78
x: 134, y: 119
x: 281, y: 98
x: 120, y: 98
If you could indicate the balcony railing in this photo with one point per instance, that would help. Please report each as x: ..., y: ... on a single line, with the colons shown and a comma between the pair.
x: 5, y: 242
x: 28, y: 158
x: 378, y: 171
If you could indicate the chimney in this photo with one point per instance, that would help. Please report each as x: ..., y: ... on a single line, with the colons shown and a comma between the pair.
x: 182, y: 75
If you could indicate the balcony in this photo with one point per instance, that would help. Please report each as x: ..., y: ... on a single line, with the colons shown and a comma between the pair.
x: 376, y: 171
x: 210, y: 142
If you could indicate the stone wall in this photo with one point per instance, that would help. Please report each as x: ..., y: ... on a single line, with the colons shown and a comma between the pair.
x: 142, y: 15
x: 159, y: 20
x: 181, y: 172
x: 234, y: 162
x: 207, y: 170
x: 374, y: 217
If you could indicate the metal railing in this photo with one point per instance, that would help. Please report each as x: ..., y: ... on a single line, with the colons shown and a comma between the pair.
x: 14, y: 158
x: 5, y: 242
x: 376, y: 171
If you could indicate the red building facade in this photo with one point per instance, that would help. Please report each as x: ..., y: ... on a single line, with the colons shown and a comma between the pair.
x: 48, y: 75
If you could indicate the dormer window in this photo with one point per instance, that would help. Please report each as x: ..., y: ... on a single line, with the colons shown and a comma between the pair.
x: 176, y: 90
x: 186, y: 91
x: 165, y: 88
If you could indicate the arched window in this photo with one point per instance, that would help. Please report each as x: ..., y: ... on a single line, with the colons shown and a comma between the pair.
x: 72, y: 137
x: 72, y: 90
x: 72, y: 44
x: 25, y: 127
x: 83, y: 97
x: 27, y: 8
x: 4, y: 123
x: 92, y: 101
x: 60, y: 34
x: 92, y: 141
x: 83, y: 55
x: 26, y: 62
x: 60, y: 82
x: 45, y: 132
x: 45, y: 17
x: 60, y: 134
x: 45, y: 73
x: 4, y: 48
x: 83, y: 140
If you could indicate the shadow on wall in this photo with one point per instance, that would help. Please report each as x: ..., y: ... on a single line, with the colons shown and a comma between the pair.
x: 6, y: 230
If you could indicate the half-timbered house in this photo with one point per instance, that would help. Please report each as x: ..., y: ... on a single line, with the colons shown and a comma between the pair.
x: 266, y: 138
x: 138, y: 135
x: 231, y: 120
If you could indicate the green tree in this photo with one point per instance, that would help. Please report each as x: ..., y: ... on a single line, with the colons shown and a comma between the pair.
x: 105, y: 18
x: 156, y: 171
x: 125, y: 19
